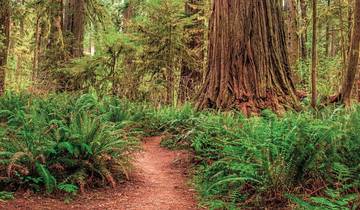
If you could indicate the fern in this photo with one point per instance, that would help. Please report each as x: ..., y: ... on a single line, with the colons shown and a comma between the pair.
x: 48, y: 179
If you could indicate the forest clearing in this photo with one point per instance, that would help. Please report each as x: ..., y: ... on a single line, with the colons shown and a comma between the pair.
x: 179, y: 104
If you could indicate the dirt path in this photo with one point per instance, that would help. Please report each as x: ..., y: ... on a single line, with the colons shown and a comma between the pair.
x: 158, y: 183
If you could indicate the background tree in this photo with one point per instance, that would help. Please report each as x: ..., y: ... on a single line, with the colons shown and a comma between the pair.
x: 4, y: 40
x: 74, y: 25
x: 303, y: 30
x: 352, y: 69
x: 191, y: 76
x: 314, y: 57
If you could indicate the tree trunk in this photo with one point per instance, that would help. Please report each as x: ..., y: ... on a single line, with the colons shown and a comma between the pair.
x: 342, y: 35
x: 5, y: 40
x: 314, y: 57
x: 54, y: 53
x: 169, y: 70
x: 55, y: 43
x: 190, y: 78
x: 19, y: 60
x: 248, y: 62
x: 352, y: 67
x: 350, y: 20
x: 303, y: 37
x: 292, y: 29
x: 37, y: 48
x: 74, y: 24
x: 327, y: 41
x: 333, y: 43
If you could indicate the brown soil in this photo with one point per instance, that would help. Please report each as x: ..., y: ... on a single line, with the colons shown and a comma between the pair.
x: 158, y: 182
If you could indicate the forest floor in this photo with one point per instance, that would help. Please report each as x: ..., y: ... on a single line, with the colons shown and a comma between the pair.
x: 158, y: 182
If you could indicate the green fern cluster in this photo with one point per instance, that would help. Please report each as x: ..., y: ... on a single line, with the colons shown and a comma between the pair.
x: 65, y: 142
x: 174, y: 124
x: 267, y: 160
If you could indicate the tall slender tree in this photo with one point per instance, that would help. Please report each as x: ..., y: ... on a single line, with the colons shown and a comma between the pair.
x: 303, y: 36
x: 327, y: 32
x: 248, y: 62
x: 314, y: 57
x: 4, y: 40
x: 190, y: 77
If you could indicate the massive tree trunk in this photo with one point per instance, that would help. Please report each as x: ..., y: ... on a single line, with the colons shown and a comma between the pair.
x: 352, y: 67
x: 248, y: 61
x: 190, y: 77
x: 4, y: 40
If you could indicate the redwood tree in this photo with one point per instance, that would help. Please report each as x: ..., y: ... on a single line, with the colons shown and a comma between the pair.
x: 248, y: 61
x: 4, y: 40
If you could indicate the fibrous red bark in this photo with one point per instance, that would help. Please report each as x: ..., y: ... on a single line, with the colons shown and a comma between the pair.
x: 248, y: 61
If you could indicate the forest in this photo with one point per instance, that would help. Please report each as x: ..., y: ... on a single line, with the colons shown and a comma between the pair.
x: 179, y: 104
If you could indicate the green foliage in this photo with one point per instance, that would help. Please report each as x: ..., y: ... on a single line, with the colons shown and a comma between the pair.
x: 329, y: 71
x: 4, y: 196
x: 75, y: 141
x: 257, y: 162
x: 68, y: 188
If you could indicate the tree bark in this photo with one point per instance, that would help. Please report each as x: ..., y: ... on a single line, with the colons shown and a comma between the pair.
x: 248, y: 61
x: 342, y: 35
x: 327, y: 41
x: 37, y: 48
x: 54, y: 54
x: 314, y: 57
x: 4, y: 40
x: 55, y: 51
x: 74, y: 24
x: 19, y: 62
x: 352, y: 67
x: 303, y: 37
x: 292, y: 29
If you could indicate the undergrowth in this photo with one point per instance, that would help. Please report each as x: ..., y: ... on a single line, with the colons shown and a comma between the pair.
x: 300, y: 160
x: 65, y: 142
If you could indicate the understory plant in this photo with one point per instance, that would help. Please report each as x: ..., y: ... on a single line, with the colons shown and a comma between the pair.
x: 64, y: 142
x: 299, y: 160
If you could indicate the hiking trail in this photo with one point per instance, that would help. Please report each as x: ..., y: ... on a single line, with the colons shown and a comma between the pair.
x: 158, y: 182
